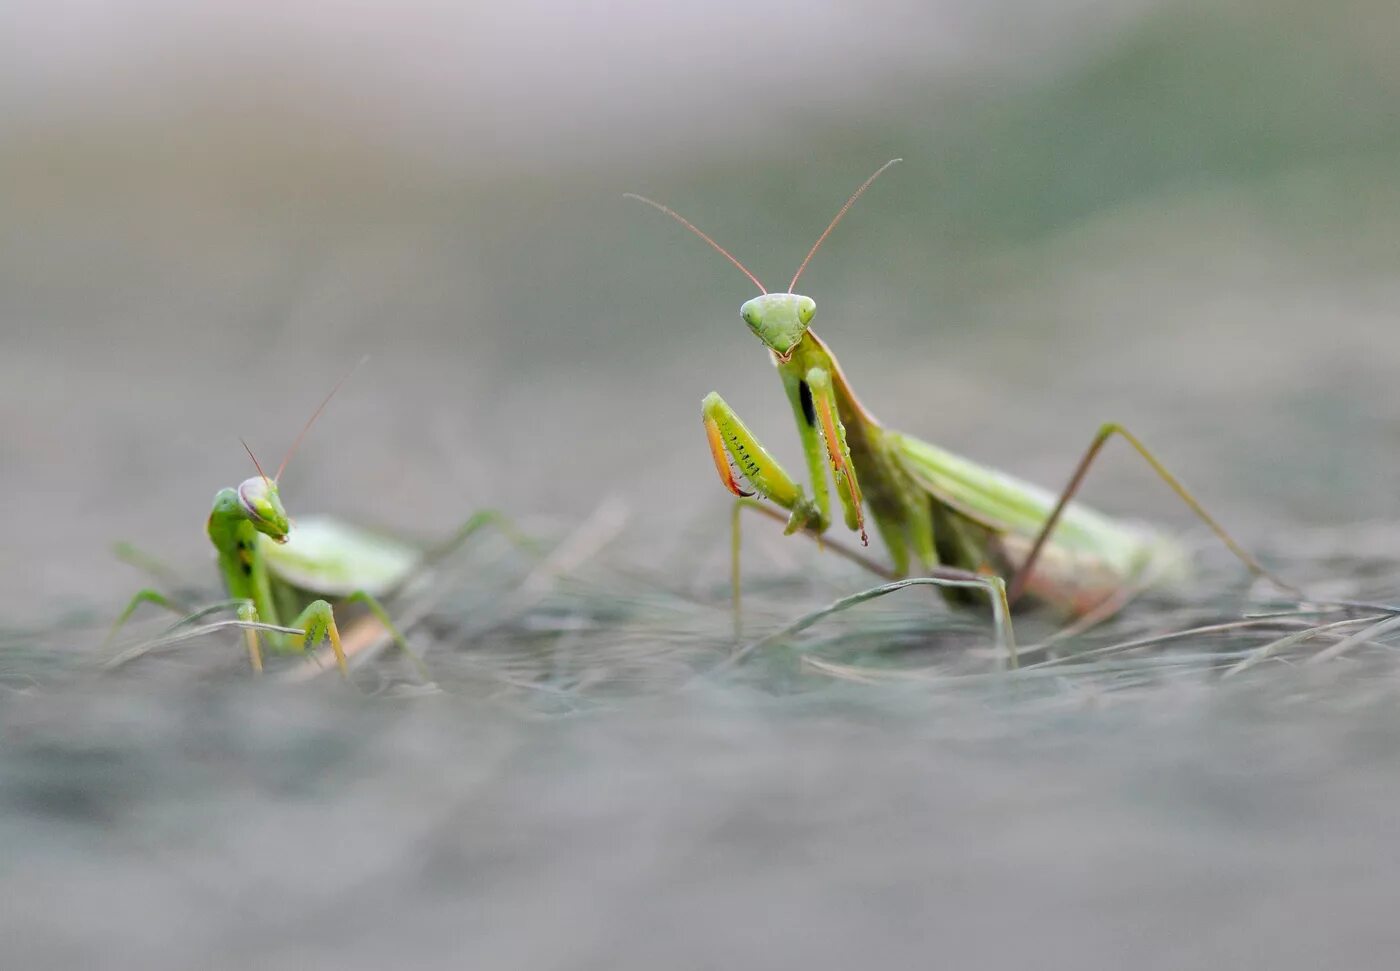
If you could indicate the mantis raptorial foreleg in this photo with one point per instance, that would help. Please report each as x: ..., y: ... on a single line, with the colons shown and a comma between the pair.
x: 730, y: 439
x: 382, y: 616
x: 824, y: 441
x: 843, y: 470
x: 317, y: 623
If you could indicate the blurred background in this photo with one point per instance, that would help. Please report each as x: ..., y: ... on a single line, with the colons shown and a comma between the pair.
x: 1177, y: 215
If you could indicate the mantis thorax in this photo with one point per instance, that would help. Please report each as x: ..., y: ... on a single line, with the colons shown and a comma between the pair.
x: 779, y: 320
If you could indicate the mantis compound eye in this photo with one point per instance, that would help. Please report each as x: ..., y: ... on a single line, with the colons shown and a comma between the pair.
x: 259, y: 500
x: 253, y: 496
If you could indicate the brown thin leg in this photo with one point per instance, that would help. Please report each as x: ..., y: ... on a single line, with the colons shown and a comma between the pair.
x: 1023, y: 575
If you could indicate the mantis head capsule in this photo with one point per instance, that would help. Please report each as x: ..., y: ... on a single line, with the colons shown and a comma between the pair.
x: 779, y: 320
x: 259, y: 499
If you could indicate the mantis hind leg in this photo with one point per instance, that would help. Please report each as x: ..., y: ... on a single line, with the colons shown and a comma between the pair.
x: 1105, y: 432
x: 382, y: 616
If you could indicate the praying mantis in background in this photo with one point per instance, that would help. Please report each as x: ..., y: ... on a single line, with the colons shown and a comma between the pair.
x: 964, y: 523
x: 269, y: 572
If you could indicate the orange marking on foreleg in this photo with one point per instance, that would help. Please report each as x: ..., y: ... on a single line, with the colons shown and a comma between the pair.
x: 721, y: 457
x: 838, y: 462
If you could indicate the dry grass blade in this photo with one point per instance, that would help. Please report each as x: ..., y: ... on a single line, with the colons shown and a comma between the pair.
x: 1357, y: 639
x: 864, y: 675
x: 1005, y: 638
x: 1141, y: 642
x: 1272, y: 648
x: 149, y: 647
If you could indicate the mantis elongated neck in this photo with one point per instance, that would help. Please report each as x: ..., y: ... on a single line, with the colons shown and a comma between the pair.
x: 240, y: 563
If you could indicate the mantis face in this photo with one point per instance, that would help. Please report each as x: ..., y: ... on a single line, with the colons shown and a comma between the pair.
x: 260, y: 502
x: 779, y: 320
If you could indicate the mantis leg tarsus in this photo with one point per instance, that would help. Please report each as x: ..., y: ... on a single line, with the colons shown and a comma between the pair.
x: 1105, y: 432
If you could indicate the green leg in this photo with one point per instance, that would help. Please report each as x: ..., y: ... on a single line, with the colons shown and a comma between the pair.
x: 247, y: 612
x: 382, y: 615
x: 1105, y: 432
x: 317, y: 623
x: 147, y: 595
x: 730, y: 439
x: 814, y: 453
x: 843, y: 470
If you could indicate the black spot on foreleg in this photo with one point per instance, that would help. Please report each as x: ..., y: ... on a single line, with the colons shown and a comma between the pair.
x: 809, y: 410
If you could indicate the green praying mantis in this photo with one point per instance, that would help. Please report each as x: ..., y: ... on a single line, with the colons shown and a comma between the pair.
x: 965, y: 524
x: 270, y: 571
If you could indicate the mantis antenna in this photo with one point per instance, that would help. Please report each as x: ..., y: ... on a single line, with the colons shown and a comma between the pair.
x: 849, y: 203
x: 257, y: 465
x: 692, y: 227
x: 296, y: 444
